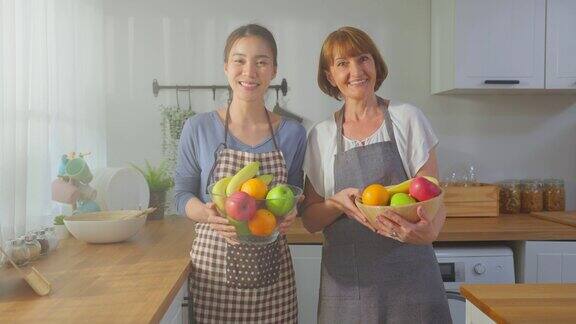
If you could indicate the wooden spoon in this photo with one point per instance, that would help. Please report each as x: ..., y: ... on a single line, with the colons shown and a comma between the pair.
x: 34, y: 278
x: 140, y: 213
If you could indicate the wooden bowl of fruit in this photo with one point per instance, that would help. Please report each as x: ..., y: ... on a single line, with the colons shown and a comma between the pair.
x: 404, y: 199
x: 254, y: 204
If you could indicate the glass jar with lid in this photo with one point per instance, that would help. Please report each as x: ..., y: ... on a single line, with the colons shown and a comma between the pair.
x: 554, y: 195
x: 43, y: 240
x: 7, y: 246
x: 52, y: 238
x: 510, y: 197
x: 19, y: 252
x: 532, y: 196
x: 33, y: 246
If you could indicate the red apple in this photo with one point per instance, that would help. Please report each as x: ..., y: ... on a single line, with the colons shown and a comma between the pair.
x: 423, y: 189
x: 240, y: 206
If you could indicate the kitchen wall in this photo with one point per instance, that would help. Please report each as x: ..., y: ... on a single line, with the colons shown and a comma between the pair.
x: 181, y: 42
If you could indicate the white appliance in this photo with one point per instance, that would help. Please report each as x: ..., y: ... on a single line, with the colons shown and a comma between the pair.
x: 472, y: 264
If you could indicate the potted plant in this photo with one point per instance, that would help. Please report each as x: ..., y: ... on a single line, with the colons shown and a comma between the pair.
x: 61, y: 230
x: 159, y: 182
x: 171, y: 123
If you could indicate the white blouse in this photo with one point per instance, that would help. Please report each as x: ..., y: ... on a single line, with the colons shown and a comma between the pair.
x: 412, y: 130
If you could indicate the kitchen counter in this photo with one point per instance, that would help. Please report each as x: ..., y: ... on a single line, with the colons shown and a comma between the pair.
x: 520, y: 227
x: 524, y: 303
x: 129, y: 282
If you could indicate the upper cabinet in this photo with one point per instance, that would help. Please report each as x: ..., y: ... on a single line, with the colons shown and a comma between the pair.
x: 561, y: 44
x: 502, y: 44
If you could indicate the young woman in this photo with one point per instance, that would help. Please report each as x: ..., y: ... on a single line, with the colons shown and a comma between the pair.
x: 231, y: 282
x: 387, y: 274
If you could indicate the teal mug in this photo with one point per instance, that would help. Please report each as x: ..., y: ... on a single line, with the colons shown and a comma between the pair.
x: 86, y: 206
x: 78, y: 169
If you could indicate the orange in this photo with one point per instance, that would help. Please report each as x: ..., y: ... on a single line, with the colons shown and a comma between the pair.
x: 375, y: 195
x: 263, y: 223
x: 255, y: 187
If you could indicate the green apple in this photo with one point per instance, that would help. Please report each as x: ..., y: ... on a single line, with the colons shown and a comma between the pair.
x: 280, y: 200
x: 401, y: 199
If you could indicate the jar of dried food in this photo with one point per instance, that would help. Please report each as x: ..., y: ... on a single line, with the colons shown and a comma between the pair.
x: 33, y: 245
x: 532, y: 197
x: 52, y: 238
x: 554, y: 195
x: 7, y: 246
x: 510, y: 195
x: 19, y: 252
x: 43, y: 240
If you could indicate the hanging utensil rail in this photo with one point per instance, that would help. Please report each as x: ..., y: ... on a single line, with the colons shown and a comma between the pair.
x: 283, y: 86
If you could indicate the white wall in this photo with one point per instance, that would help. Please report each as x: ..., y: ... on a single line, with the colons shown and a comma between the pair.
x: 181, y: 42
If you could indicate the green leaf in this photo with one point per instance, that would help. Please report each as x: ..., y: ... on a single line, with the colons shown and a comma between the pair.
x: 158, y: 178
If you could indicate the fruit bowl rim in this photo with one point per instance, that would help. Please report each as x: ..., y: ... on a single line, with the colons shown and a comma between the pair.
x: 358, y: 200
x: 297, y: 194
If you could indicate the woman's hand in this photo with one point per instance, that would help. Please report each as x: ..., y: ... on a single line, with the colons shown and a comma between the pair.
x: 425, y: 231
x: 344, y: 201
x: 220, y: 224
x: 289, y: 219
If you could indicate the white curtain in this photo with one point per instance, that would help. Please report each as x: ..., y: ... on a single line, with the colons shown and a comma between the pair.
x: 51, y: 102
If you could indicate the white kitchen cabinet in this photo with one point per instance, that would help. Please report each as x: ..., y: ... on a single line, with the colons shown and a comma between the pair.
x: 561, y: 44
x: 306, y: 260
x: 488, y: 44
x: 476, y: 316
x: 546, y: 261
x: 502, y: 45
x: 177, y: 313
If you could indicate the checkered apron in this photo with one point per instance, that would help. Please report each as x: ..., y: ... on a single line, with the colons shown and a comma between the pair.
x: 242, y: 283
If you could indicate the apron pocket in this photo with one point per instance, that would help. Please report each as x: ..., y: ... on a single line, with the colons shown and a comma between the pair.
x: 252, y: 266
x: 339, y: 273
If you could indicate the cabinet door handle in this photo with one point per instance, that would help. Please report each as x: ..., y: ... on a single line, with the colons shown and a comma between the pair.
x: 501, y: 81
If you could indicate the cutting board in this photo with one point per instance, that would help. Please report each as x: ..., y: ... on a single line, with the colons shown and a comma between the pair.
x: 566, y: 217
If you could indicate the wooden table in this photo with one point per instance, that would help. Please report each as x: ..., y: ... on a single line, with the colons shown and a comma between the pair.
x: 128, y: 282
x: 524, y: 303
x: 520, y: 227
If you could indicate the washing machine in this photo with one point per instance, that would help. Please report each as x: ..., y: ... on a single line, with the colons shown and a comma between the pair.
x: 472, y: 264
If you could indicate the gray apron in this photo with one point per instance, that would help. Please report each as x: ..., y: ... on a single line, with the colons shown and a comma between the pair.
x: 366, y: 277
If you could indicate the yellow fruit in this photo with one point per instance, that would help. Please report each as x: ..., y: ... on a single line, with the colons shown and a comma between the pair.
x: 403, y: 187
x: 246, y: 173
x: 399, y: 188
x: 255, y: 187
x: 375, y: 195
x: 219, y: 192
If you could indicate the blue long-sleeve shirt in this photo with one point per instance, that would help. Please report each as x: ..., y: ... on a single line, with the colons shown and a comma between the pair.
x: 200, y: 138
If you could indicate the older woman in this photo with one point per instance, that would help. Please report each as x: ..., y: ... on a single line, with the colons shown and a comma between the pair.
x: 387, y: 274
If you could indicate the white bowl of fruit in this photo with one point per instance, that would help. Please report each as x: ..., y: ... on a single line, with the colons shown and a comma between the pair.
x: 253, y: 205
x: 403, y: 198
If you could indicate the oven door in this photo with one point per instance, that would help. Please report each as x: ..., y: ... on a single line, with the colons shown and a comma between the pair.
x: 453, y: 274
x: 457, y: 305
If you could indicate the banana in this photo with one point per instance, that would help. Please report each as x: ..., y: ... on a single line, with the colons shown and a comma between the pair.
x: 246, y: 173
x: 405, y: 186
x: 401, y: 187
x: 266, y: 178
x: 219, y: 192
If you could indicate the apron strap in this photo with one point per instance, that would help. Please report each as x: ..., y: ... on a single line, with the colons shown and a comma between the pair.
x: 339, y: 118
x: 269, y: 126
x: 225, y: 144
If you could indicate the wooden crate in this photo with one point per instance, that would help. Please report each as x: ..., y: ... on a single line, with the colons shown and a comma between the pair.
x: 477, y: 201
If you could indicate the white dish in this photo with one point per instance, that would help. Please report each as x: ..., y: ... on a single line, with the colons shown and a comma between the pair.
x: 104, y: 227
x: 120, y: 189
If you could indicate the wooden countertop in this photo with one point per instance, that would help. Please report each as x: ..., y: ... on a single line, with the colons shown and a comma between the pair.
x: 128, y: 282
x: 524, y: 303
x: 520, y: 227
